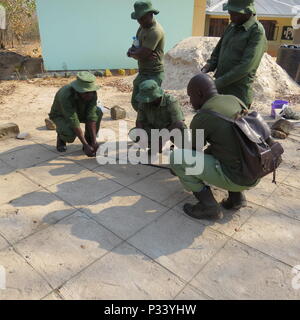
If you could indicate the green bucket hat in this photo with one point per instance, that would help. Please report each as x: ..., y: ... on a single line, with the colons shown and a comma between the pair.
x: 240, y: 6
x: 149, y: 91
x: 141, y: 8
x: 86, y: 82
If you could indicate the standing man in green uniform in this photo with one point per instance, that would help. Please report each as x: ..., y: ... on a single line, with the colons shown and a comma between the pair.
x: 149, y: 52
x: 238, y: 54
x: 222, y: 159
x: 157, y: 110
x: 74, y: 104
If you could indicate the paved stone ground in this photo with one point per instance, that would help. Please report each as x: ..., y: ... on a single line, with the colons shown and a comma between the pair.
x: 72, y: 229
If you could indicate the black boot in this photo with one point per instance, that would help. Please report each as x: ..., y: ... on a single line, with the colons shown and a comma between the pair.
x: 207, y: 208
x: 60, y: 145
x: 235, y: 201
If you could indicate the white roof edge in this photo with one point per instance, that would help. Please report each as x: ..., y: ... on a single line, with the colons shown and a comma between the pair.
x: 263, y: 15
x: 217, y: 4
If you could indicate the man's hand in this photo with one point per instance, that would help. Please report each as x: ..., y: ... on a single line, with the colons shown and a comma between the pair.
x: 129, y: 52
x: 95, y: 146
x: 154, y: 56
x: 89, y: 150
x: 206, y: 68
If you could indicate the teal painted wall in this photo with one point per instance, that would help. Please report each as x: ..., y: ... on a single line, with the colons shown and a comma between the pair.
x: 95, y: 34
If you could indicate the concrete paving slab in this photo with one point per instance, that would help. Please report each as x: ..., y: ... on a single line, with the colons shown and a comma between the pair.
x: 117, y: 150
x: 3, y: 243
x: 61, y: 251
x: 22, y: 281
x: 124, y: 212
x: 189, y: 293
x: 84, y: 188
x: 76, y: 146
x: 178, y: 243
x: 231, y: 221
x: 293, y: 179
x: 240, y: 272
x: 162, y: 187
x: 28, y: 157
x: 52, y: 296
x: 42, y: 135
x: 281, y: 173
x: 31, y: 213
x: 125, y: 174
x: 12, y: 144
x: 53, y: 171
x: 274, y: 234
x: 81, y: 159
x: 5, y: 168
x: 15, y: 185
x: 285, y: 199
x: 123, y: 274
x: 291, y: 151
x: 261, y: 192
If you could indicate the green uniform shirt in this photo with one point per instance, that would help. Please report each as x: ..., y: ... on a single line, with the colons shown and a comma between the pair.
x: 68, y: 105
x: 237, y: 57
x: 152, y: 38
x: 160, y: 117
x: 224, y: 144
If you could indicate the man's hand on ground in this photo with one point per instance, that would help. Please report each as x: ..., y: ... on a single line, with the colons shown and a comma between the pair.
x: 89, y: 150
x: 95, y: 146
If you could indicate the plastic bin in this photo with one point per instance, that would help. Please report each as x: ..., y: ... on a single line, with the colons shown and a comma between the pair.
x: 277, y: 104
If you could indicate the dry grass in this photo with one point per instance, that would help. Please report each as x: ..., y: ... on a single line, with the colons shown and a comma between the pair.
x: 32, y: 49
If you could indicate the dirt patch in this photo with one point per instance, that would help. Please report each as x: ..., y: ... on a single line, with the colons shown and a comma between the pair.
x: 32, y: 49
x: 6, y: 89
x: 120, y: 85
x: 292, y: 99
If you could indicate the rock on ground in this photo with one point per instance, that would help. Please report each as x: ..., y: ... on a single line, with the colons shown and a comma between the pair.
x: 8, y: 130
x: 117, y: 113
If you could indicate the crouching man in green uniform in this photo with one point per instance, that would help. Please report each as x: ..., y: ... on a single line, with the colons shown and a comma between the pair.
x: 149, y: 51
x: 74, y: 104
x: 222, y: 158
x: 238, y: 54
x: 158, y: 110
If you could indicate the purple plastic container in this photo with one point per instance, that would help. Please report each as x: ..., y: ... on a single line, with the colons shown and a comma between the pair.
x: 277, y: 104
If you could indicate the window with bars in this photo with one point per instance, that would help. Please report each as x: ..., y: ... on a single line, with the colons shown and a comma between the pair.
x: 217, y: 27
x: 270, y: 28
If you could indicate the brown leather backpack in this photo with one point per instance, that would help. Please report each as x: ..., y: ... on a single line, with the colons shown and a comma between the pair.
x: 261, y: 154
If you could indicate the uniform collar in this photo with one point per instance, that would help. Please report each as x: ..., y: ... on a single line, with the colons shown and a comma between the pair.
x: 248, y: 24
x: 210, y: 103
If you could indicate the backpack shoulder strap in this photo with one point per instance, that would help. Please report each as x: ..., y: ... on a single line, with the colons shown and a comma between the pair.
x: 243, y: 105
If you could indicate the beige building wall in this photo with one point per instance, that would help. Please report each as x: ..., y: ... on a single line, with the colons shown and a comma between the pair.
x: 199, y: 17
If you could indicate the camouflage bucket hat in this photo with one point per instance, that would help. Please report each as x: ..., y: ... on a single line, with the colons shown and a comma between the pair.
x: 149, y: 91
x: 141, y: 8
x: 86, y: 82
x: 240, y: 6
